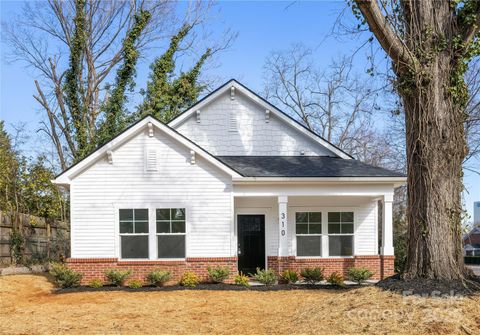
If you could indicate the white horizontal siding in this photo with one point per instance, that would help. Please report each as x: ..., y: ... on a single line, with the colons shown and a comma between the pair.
x: 252, y: 135
x: 202, y: 189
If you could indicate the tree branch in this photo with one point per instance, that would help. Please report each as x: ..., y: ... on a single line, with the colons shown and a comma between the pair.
x: 388, y: 39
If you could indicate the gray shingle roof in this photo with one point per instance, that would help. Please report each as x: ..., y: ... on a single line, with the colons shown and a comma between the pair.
x: 303, y: 166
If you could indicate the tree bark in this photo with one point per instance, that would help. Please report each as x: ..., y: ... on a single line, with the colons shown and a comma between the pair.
x: 436, y: 148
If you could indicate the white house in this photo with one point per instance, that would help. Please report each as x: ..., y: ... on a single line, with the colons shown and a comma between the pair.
x: 232, y: 181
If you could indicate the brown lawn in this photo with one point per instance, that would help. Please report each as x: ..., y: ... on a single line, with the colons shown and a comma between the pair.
x: 29, y: 306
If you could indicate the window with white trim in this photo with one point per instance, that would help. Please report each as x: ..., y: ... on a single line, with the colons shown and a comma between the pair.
x: 308, y: 227
x: 170, y: 232
x: 133, y: 233
x: 340, y: 233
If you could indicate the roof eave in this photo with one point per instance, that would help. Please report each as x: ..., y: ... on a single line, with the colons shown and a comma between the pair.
x: 397, y: 181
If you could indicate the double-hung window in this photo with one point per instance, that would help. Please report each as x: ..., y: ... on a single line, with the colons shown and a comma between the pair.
x: 340, y: 233
x: 133, y: 233
x: 170, y: 232
x: 308, y: 226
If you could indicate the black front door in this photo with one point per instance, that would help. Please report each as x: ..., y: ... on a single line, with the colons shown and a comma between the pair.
x: 251, y: 243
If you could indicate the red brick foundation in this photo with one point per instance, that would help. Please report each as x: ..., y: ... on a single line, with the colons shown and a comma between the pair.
x: 381, y: 266
x: 94, y: 268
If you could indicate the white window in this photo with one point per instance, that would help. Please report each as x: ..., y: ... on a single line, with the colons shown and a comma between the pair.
x: 308, y: 226
x: 133, y: 233
x: 340, y: 233
x: 170, y: 232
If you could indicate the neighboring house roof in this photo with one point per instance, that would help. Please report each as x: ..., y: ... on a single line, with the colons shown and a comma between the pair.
x: 303, y: 166
x: 64, y: 178
x: 265, y: 104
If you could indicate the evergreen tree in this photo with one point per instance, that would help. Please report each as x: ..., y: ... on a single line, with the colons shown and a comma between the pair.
x: 166, y: 94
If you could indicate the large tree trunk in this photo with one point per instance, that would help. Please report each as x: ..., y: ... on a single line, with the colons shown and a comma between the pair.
x: 436, y: 145
x: 435, y: 151
x: 428, y: 47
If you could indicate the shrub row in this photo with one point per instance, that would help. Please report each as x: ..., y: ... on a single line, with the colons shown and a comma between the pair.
x: 65, y: 277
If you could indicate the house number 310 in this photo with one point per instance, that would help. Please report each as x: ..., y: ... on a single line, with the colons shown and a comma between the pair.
x: 283, y: 223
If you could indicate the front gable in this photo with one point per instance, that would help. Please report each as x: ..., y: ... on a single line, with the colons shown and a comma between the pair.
x: 234, y: 121
x: 152, y: 137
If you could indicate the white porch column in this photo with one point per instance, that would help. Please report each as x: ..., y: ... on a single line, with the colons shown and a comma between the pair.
x: 387, y: 225
x: 282, y: 228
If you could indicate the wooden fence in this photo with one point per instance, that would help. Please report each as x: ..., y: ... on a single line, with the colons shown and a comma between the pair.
x: 42, y: 239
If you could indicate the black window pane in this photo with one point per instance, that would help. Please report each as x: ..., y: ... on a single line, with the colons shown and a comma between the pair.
x: 347, y: 228
x: 347, y: 216
x: 301, y: 217
x: 171, y: 246
x: 309, y: 246
x: 315, y: 217
x: 315, y: 228
x: 163, y: 227
x: 126, y: 214
x: 163, y: 214
x: 134, y: 246
x: 302, y: 228
x: 334, y: 217
x: 334, y: 228
x: 141, y: 227
x: 178, y: 213
x: 141, y: 214
x: 126, y: 227
x: 340, y: 245
x: 178, y: 226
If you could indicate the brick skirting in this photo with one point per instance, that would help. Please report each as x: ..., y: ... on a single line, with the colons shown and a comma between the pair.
x: 381, y: 266
x: 94, y: 268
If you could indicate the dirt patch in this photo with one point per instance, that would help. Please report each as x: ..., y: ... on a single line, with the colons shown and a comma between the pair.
x: 30, y: 306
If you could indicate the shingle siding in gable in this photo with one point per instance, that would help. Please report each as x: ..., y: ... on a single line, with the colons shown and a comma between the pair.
x: 201, y: 187
x: 253, y: 136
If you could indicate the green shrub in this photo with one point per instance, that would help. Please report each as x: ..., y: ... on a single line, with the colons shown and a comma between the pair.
x: 189, y: 279
x: 159, y: 277
x: 95, y: 283
x: 64, y: 277
x: 135, y: 283
x: 312, y: 275
x: 289, y: 276
x: 335, y: 279
x: 267, y: 277
x: 242, y: 280
x: 359, y: 275
x: 117, y: 277
x: 218, y: 274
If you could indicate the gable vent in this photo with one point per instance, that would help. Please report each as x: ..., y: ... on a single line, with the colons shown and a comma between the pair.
x: 151, y: 159
x: 232, y: 121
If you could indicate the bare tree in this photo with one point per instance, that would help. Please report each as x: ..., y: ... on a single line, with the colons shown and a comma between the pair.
x: 42, y: 38
x: 472, y: 122
x: 334, y: 102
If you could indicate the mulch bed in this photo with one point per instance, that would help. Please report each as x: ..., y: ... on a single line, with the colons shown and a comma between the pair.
x: 426, y: 287
x: 206, y: 287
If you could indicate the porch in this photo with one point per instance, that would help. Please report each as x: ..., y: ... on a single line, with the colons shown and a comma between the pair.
x: 334, y: 227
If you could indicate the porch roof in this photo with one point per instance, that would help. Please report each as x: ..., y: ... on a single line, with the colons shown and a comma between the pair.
x: 303, y: 166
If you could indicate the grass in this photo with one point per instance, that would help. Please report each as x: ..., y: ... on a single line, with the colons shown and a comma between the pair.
x: 30, y: 306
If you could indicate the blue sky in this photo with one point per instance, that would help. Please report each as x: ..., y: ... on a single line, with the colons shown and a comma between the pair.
x: 261, y: 26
